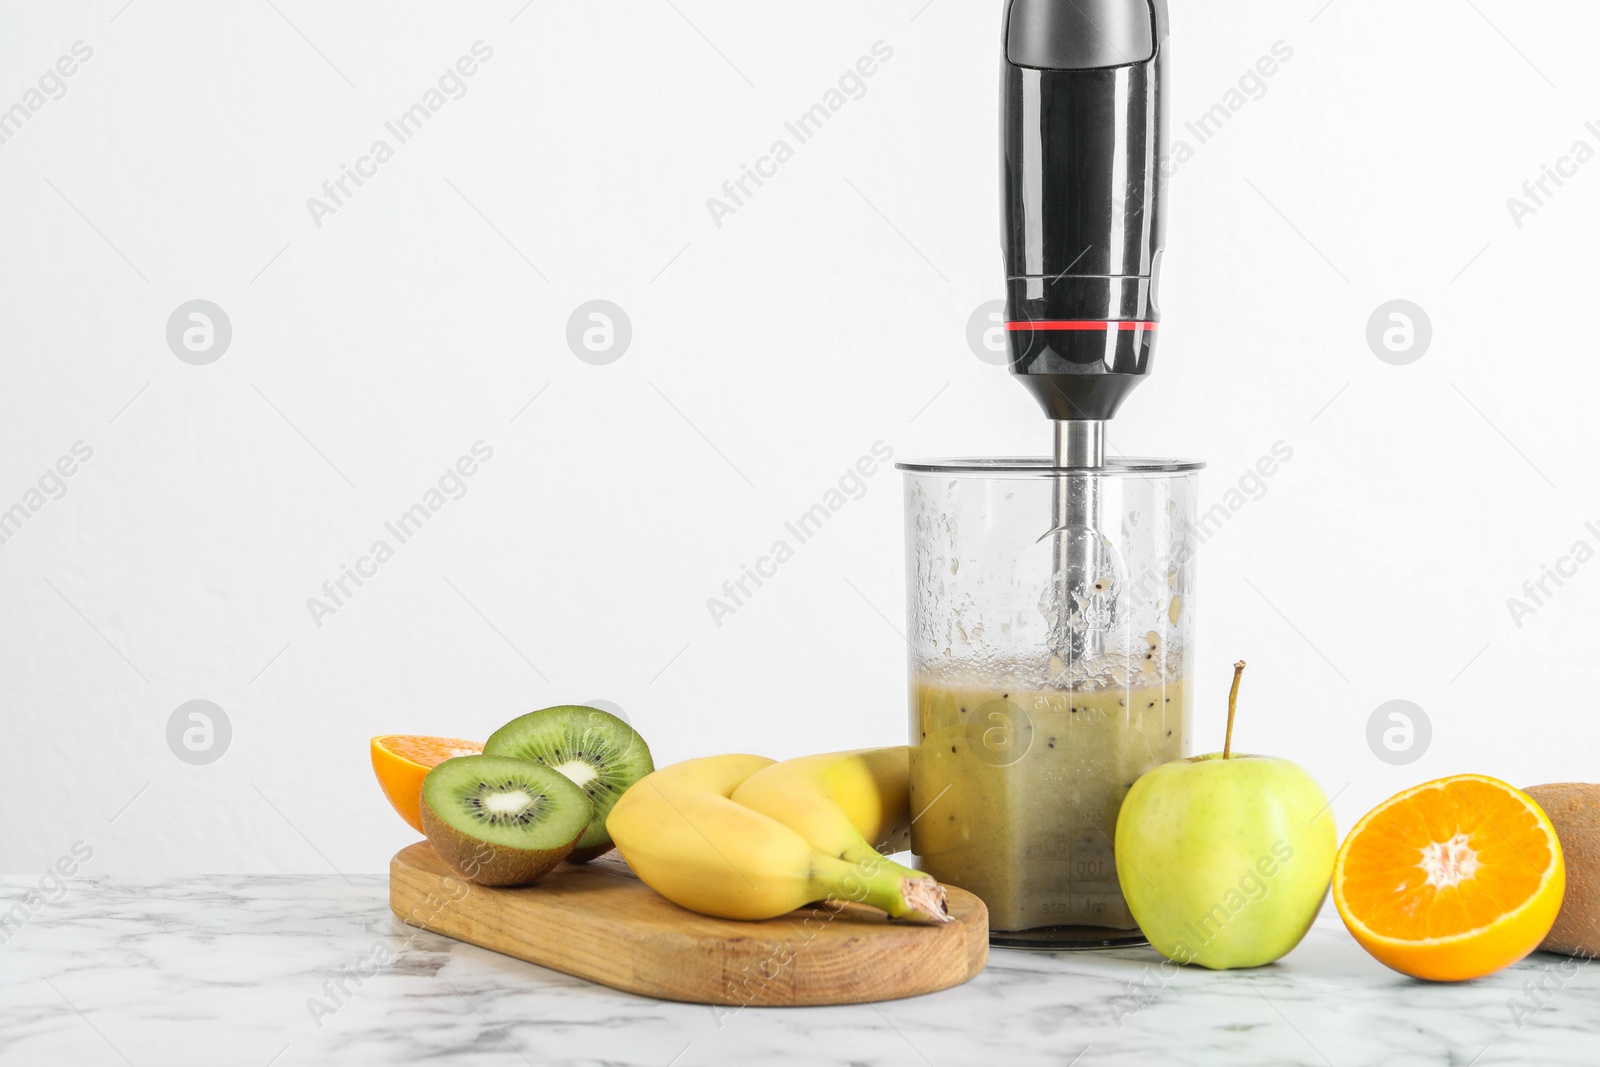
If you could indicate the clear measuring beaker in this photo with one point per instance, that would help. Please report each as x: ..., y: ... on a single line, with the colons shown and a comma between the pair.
x: 1024, y: 737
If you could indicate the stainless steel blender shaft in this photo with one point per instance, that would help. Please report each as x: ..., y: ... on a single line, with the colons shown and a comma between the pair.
x: 1080, y: 446
x: 1080, y: 443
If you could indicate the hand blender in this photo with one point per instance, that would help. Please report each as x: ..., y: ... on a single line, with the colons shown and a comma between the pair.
x: 1050, y: 603
x: 1082, y: 137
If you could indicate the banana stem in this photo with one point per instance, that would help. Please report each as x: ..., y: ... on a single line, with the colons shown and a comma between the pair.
x: 883, y: 884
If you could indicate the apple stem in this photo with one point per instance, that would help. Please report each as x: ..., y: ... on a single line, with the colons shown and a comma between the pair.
x: 1233, y: 708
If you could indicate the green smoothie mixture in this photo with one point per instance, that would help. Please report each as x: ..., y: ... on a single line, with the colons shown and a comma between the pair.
x: 1016, y: 785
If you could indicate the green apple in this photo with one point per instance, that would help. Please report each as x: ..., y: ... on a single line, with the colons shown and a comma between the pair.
x: 1225, y: 859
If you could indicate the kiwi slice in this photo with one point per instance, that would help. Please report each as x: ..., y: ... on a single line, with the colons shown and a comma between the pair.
x: 599, y: 752
x: 502, y: 821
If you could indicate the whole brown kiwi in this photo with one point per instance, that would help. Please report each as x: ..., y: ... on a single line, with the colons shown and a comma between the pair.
x: 1574, y: 810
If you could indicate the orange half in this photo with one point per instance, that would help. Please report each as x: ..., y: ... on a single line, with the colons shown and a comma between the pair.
x: 402, y: 761
x: 1452, y: 880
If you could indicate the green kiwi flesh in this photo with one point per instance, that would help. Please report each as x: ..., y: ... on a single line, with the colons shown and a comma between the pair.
x: 599, y: 752
x: 502, y: 821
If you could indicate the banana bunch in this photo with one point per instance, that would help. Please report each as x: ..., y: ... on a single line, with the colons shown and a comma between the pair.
x: 744, y: 837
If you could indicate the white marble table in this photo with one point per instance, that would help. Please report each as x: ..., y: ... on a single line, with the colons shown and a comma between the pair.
x: 221, y: 970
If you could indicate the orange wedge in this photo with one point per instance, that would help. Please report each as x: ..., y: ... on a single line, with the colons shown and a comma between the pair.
x: 1451, y: 880
x: 402, y: 761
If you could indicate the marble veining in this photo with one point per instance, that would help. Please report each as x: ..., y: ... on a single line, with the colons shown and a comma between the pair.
x: 283, y: 971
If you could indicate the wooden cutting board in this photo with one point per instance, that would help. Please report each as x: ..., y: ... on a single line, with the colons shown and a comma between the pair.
x: 598, y: 921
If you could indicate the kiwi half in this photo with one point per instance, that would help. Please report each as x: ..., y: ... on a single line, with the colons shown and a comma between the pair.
x: 599, y: 752
x: 502, y: 821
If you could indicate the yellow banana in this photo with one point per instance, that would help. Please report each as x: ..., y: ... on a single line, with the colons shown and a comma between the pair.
x: 841, y: 802
x: 686, y: 839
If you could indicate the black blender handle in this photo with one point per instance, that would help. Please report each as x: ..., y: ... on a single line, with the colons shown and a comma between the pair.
x: 1083, y: 141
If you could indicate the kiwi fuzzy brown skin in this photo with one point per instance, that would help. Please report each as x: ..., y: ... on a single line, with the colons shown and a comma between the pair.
x: 485, y: 864
x: 584, y: 855
x: 1574, y: 810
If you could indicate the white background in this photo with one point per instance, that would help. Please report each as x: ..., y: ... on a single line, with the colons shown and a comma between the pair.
x: 768, y: 354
